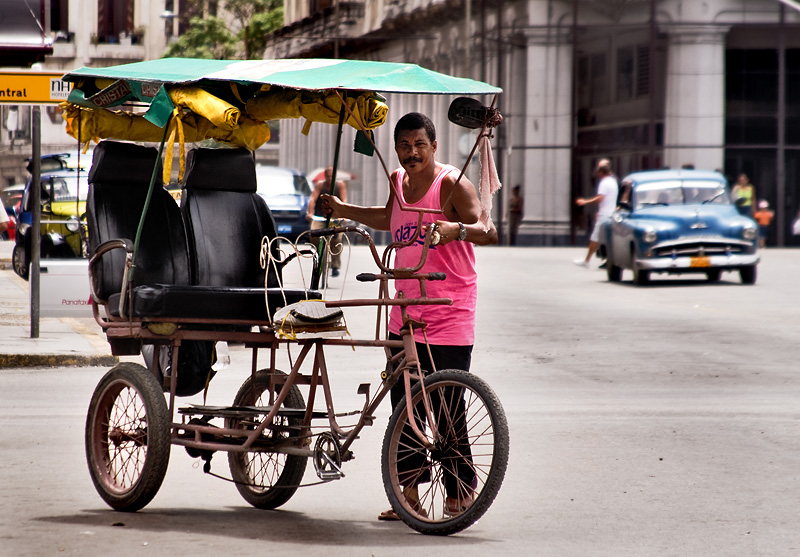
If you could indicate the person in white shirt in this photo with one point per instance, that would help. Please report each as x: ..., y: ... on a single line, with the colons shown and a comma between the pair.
x: 606, y: 200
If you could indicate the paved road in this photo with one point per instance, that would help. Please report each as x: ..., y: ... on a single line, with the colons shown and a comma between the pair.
x: 644, y: 421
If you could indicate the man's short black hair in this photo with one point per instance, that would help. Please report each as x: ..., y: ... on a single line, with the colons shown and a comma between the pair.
x: 414, y: 121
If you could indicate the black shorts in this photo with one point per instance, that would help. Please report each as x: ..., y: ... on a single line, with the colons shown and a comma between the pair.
x: 444, y: 357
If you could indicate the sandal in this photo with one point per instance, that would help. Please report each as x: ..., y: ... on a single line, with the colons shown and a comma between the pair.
x: 388, y: 515
x: 454, y: 507
x: 412, y: 497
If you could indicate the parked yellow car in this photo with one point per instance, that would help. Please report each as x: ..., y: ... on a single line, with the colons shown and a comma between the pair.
x: 64, y: 192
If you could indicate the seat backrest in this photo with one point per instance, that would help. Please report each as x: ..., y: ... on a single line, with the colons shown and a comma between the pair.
x: 225, y: 218
x: 118, y: 183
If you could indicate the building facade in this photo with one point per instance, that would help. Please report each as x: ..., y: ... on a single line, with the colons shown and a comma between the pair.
x: 645, y: 83
x: 83, y: 33
x: 92, y: 33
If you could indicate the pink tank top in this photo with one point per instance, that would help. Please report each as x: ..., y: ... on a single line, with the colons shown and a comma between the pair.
x: 446, y: 325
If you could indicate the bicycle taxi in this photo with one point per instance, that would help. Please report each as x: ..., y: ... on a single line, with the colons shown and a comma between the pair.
x: 173, y: 281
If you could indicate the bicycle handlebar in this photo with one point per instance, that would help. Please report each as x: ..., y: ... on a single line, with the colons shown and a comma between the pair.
x: 372, y: 277
x: 366, y: 277
x: 386, y: 272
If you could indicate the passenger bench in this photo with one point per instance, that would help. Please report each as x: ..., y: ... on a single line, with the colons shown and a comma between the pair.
x: 226, y: 221
x: 211, y: 278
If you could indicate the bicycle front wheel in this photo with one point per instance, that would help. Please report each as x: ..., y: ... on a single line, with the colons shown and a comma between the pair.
x: 446, y: 489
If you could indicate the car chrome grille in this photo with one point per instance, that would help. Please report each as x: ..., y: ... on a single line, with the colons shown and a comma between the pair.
x: 698, y: 249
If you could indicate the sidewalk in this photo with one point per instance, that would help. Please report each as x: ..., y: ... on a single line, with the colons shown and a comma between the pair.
x: 62, y: 341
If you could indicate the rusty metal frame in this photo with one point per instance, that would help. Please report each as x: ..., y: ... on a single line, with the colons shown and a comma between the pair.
x: 261, y: 335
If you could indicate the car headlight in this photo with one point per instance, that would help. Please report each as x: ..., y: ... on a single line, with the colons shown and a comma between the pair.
x: 650, y: 236
x: 73, y: 224
x: 749, y: 233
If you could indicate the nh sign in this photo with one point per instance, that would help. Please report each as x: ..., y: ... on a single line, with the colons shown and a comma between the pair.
x: 33, y: 88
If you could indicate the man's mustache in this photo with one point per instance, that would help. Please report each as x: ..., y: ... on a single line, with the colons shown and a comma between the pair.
x: 412, y: 159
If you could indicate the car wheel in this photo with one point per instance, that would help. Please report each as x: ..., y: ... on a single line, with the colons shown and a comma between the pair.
x: 21, y: 266
x: 748, y: 274
x: 713, y: 275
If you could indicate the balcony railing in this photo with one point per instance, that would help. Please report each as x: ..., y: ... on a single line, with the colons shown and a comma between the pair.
x: 316, y: 34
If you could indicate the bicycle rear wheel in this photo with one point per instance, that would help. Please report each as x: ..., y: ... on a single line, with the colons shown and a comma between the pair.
x: 267, y: 480
x: 467, y: 463
x: 128, y: 437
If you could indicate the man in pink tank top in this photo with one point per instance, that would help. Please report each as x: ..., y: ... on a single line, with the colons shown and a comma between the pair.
x: 422, y: 182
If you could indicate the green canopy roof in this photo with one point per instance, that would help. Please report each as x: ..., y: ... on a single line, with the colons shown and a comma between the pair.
x: 308, y: 74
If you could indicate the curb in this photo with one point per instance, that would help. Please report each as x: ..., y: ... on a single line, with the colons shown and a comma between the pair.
x: 55, y: 360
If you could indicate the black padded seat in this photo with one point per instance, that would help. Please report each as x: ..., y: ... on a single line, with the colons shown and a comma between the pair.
x: 225, y: 217
x: 222, y: 280
x: 226, y: 220
x: 118, y: 183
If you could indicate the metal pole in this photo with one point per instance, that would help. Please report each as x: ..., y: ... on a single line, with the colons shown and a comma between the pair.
x: 36, y: 227
x: 319, y: 280
x: 336, y: 30
x: 501, y: 135
x: 651, y: 94
x: 780, y: 159
x: 574, y: 194
x: 467, y: 34
x: 483, y: 40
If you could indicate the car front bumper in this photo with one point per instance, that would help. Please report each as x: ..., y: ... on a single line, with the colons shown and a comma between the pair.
x: 698, y: 264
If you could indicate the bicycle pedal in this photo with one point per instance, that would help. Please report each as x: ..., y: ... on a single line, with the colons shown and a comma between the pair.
x: 331, y: 475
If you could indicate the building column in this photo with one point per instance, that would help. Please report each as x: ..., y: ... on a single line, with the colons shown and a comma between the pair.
x: 694, y: 119
x: 546, y: 110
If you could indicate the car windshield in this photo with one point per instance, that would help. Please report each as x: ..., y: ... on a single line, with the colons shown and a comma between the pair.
x: 680, y: 192
x: 273, y: 181
x: 65, y: 188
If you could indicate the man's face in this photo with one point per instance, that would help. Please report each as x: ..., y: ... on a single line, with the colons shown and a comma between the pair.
x: 414, y: 150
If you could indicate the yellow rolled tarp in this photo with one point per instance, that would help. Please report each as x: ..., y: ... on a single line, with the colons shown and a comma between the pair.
x: 314, y: 106
x: 86, y: 124
x: 221, y: 113
x: 108, y: 124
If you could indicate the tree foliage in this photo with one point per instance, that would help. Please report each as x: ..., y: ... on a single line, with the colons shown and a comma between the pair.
x: 242, y: 35
x: 206, y: 38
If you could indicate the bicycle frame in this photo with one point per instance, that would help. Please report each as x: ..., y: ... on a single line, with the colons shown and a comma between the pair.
x: 405, y: 364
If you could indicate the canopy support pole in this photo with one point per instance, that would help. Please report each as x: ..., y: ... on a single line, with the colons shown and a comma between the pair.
x: 319, y: 277
x: 151, y: 188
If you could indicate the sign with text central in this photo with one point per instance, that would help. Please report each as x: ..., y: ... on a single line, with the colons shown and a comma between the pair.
x: 33, y: 88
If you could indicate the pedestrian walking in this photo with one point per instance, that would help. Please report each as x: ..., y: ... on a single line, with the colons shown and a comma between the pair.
x: 763, y: 217
x: 606, y: 201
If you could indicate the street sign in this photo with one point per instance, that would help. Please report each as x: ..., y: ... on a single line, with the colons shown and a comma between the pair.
x: 33, y: 88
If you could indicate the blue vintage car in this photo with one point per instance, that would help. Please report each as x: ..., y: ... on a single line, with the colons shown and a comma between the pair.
x: 679, y: 221
x: 287, y: 193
